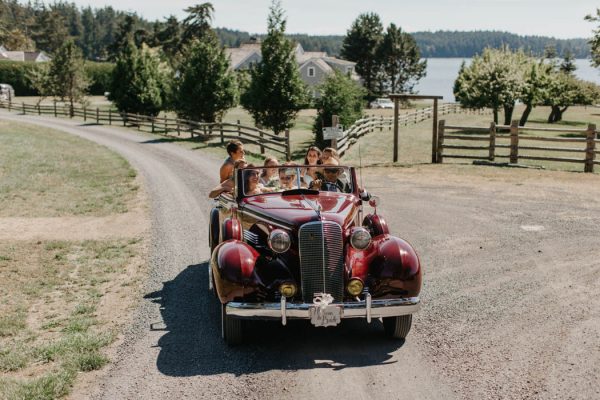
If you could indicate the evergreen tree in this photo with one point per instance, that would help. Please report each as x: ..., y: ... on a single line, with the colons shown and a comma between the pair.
x: 66, y: 74
x: 400, y: 59
x: 341, y: 96
x: 595, y: 40
x: 169, y: 37
x: 124, y: 36
x: 360, y: 45
x: 568, y: 64
x: 206, y: 88
x: 139, y: 85
x: 196, y: 26
x: 276, y: 93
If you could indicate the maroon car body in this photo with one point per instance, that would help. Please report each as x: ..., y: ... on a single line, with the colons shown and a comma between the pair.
x: 309, y: 254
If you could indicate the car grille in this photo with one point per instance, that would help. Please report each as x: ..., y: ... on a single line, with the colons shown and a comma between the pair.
x: 321, y: 260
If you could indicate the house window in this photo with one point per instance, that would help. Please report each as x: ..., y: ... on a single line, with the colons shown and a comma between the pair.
x: 311, y: 71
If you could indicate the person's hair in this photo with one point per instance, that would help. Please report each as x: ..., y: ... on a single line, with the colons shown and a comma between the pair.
x: 267, y: 160
x: 333, y: 152
x: 313, y: 148
x: 285, y: 166
x: 233, y: 146
x: 246, y: 175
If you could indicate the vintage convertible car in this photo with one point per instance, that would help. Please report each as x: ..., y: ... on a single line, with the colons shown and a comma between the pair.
x: 305, y: 251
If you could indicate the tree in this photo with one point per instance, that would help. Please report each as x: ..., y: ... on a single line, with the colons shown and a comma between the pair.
x: 276, y: 93
x: 341, y: 96
x: 360, y: 45
x: 169, y: 37
x: 138, y: 83
x: 564, y: 90
x: 196, y: 26
x: 400, y: 60
x: 66, y: 74
x: 495, y: 80
x: 595, y: 40
x: 534, y: 87
x: 123, y: 38
x: 206, y: 88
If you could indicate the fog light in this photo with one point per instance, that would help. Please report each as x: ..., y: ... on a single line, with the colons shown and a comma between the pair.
x: 355, y: 287
x: 287, y: 289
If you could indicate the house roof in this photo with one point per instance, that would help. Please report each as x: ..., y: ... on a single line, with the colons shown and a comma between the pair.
x: 319, y: 63
x: 307, y: 55
x: 338, y: 61
x: 237, y: 55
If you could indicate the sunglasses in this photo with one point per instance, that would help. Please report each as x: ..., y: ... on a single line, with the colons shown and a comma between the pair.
x: 331, y: 170
x: 285, y: 178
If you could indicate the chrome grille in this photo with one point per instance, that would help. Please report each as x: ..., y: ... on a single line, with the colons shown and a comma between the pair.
x: 321, y: 260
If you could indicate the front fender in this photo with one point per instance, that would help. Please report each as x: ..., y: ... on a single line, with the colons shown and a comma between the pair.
x: 395, y: 269
x: 232, y: 265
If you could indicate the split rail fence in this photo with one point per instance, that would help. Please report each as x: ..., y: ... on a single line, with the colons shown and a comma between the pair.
x: 164, y: 125
x: 510, y: 142
x: 370, y: 124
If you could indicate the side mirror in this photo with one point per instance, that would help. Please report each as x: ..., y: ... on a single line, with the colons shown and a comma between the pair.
x: 365, y: 196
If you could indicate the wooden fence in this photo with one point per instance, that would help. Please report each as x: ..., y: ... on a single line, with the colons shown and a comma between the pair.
x: 164, y: 125
x: 370, y: 124
x: 512, y: 139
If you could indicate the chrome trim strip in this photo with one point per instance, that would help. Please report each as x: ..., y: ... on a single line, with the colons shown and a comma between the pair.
x: 379, y: 309
x: 369, y: 305
x: 283, y: 310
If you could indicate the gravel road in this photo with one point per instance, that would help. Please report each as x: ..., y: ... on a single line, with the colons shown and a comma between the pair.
x: 511, y: 292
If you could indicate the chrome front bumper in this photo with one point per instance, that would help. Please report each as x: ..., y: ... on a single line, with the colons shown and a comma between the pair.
x: 367, y: 309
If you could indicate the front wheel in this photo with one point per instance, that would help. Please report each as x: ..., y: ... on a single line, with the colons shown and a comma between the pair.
x: 231, y: 328
x: 397, y: 327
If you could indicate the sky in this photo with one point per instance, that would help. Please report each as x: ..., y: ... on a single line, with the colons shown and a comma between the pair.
x: 558, y: 18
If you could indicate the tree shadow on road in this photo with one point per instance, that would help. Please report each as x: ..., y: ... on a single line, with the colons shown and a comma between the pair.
x: 192, y: 344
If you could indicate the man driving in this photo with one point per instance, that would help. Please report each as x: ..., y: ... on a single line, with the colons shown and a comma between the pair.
x: 331, y: 181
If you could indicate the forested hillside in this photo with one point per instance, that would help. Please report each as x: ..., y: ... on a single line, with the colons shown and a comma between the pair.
x: 37, y: 26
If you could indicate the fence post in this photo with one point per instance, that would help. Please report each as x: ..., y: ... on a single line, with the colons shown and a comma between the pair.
x: 221, y: 133
x: 9, y: 104
x: 24, y: 112
x: 178, y: 127
x: 110, y: 116
x: 125, y: 117
x: 71, y: 111
x: 492, y: 156
x: 166, y: 125
x: 97, y: 115
x: 514, y: 142
x: 152, y: 123
x: 434, y: 132
x: 38, y: 107
x: 381, y: 123
x: 84, y: 113
x: 590, y: 154
x: 440, y: 146
x: 262, y: 147
x: 137, y: 121
x: 288, y: 152
x: 239, y: 129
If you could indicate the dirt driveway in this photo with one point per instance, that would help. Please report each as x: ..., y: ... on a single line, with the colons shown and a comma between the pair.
x: 511, y: 292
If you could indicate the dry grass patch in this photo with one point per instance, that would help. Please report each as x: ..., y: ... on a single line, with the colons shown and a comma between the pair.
x: 49, y: 173
x: 57, y: 308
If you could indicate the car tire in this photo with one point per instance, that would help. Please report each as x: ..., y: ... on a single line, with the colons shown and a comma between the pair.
x: 213, y: 229
x: 397, y: 327
x: 231, y: 328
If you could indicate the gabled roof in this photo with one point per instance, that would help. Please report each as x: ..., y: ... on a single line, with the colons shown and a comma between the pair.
x: 307, y: 55
x: 237, y: 55
x: 338, y: 61
x: 323, y: 66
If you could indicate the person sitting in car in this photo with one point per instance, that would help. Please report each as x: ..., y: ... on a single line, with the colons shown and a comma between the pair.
x: 236, y: 152
x: 227, y: 185
x: 252, y: 185
x: 331, y: 181
x: 287, y: 176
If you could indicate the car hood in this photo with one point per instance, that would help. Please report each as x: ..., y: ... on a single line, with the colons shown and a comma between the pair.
x: 295, y: 210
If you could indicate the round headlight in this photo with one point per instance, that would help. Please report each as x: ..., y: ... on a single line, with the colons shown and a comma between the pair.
x: 355, y: 287
x: 279, y: 241
x: 360, y: 238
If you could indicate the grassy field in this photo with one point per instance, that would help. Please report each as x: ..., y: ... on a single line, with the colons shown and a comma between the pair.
x: 49, y: 173
x: 61, y: 302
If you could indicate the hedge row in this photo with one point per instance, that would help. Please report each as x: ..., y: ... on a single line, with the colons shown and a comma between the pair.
x: 16, y: 74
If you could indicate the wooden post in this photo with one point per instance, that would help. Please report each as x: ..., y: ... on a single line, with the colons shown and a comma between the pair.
x: 84, y: 113
x: 239, y: 129
x: 221, y: 133
x: 137, y: 120
x: 434, y: 133
x: 178, y: 127
x: 166, y: 125
x: 288, y: 150
x: 38, y: 107
x: 9, y: 104
x: 590, y: 154
x: 125, y: 116
x: 395, y: 159
x: 24, y: 111
x: 492, y: 155
x: 381, y: 124
x: 55, y: 114
x: 152, y: 123
x: 97, y: 115
x: 440, y: 145
x: 262, y: 147
x: 514, y: 142
x: 335, y: 121
x: 110, y: 116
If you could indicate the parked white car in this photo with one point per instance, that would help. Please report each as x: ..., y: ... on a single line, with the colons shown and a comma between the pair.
x: 6, y: 92
x: 382, y: 103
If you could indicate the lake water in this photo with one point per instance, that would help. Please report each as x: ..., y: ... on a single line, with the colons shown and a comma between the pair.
x: 442, y: 72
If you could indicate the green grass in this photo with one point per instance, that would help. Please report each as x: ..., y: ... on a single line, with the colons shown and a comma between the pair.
x: 50, y: 294
x: 46, y: 173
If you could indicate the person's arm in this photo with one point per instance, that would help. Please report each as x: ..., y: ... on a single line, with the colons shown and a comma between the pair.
x: 225, y: 186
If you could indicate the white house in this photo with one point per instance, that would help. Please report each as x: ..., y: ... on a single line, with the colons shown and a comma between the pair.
x: 35, y: 56
x: 314, y: 66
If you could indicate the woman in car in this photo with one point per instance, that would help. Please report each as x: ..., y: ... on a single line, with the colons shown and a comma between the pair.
x: 269, y: 177
x: 287, y: 176
x: 235, y: 149
x: 252, y: 184
x: 312, y: 158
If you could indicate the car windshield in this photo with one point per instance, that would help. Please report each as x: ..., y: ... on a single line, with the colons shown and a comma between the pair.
x: 284, y: 178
